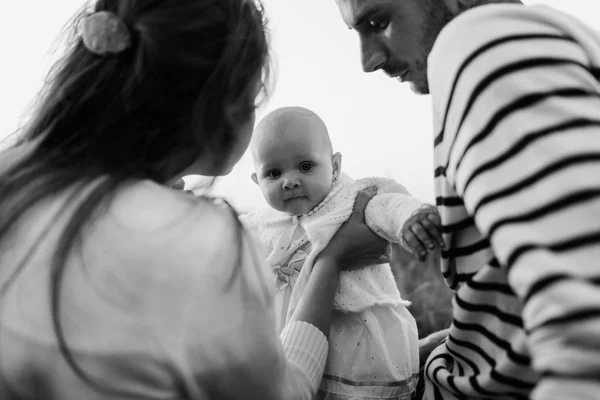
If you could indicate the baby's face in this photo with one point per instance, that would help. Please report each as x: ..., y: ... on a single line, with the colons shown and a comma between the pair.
x: 294, y: 172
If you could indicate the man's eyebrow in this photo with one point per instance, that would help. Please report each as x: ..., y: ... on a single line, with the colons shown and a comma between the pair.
x: 363, y: 14
x: 358, y: 21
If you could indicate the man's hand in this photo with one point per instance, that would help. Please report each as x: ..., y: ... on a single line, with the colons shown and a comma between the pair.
x: 429, y: 343
x: 422, y: 232
x: 355, y: 245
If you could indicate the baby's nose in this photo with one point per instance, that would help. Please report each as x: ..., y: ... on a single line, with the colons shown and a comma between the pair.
x: 290, y: 183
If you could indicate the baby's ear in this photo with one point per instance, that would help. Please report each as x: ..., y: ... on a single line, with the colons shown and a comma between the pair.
x: 254, y: 177
x: 336, y: 162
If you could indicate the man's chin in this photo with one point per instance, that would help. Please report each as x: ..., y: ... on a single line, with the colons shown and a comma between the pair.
x: 419, y: 88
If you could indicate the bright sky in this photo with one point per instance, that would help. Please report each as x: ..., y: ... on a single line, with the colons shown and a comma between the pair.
x: 380, y: 127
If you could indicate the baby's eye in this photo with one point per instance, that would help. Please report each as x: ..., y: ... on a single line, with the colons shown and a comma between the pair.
x: 379, y: 24
x: 273, y: 174
x: 306, y: 166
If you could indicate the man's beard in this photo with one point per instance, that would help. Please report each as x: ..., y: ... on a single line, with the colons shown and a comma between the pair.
x: 420, y: 85
x: 439, y: 16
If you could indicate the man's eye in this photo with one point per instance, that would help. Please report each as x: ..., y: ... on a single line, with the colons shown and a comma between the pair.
x: 379, y: 24
x: 304, y: 167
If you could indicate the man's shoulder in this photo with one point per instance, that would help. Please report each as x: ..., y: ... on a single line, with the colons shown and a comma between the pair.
x: 476, y: 29
x: 487, y: 42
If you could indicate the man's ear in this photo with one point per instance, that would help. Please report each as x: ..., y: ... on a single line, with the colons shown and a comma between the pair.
x: 336, y: 162
x: 254, y: 177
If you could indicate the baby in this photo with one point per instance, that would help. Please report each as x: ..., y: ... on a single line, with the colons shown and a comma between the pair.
x: 373, y: 338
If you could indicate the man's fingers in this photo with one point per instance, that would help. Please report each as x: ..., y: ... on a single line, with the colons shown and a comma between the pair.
x: 360, y: 202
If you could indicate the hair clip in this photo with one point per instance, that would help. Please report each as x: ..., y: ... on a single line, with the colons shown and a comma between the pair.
x: 105, y: 33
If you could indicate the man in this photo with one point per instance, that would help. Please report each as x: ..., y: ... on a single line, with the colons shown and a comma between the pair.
x: 517, y: 151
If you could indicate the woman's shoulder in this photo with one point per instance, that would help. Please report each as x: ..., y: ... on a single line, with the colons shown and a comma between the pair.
x: 158, y: 226
x: 145, y: 206
x: 172, y: 251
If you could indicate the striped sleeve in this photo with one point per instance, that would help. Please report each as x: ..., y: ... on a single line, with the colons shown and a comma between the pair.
x: 518, y: 108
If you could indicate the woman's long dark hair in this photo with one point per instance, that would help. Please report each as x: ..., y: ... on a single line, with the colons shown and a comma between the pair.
x: 182, y: 89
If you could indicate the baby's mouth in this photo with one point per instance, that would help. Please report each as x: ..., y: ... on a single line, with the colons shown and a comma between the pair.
x: 295, y: 198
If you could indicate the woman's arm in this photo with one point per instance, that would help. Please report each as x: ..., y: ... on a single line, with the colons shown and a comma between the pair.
x: 354, y: 245
x: 317, y: 301
x: 216, y: 322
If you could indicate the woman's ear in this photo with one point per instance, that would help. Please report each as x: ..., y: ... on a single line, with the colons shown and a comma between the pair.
x: 254, y: 177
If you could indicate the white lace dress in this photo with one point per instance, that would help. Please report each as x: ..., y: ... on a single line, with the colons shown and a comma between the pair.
x: 373, y: 351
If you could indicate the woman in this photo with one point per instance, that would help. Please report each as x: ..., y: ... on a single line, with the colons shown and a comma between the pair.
x: 113, y: 284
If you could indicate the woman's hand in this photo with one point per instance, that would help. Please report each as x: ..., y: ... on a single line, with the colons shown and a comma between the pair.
x: 180, y: 185
x: 355, y: 245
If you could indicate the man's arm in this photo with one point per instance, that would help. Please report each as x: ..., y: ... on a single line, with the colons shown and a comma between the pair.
x: 522, y: 136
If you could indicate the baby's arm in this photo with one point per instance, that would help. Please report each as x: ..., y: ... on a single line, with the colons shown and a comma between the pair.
x: 389, y: 210
x: 397, y: 216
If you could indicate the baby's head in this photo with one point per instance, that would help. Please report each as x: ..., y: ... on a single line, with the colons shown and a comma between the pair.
x: 294, y: 162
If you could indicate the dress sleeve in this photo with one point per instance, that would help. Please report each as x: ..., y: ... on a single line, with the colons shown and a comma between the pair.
x: 521, y: 135
x: 217, y: 321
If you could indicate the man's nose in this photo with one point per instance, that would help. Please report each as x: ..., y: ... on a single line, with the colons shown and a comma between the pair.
x: 373, y: 55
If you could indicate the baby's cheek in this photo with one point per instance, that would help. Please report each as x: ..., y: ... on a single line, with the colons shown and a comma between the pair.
x: 274, y: 196
x: 275, y: 200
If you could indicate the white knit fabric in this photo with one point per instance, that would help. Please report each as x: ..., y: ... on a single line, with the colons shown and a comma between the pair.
x: 385, y: 214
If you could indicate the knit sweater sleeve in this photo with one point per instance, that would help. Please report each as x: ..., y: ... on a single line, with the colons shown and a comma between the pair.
x: 385, y: 215
x: 387, y: 212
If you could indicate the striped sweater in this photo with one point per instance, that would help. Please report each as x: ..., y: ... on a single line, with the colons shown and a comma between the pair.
x: 516, y: 105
